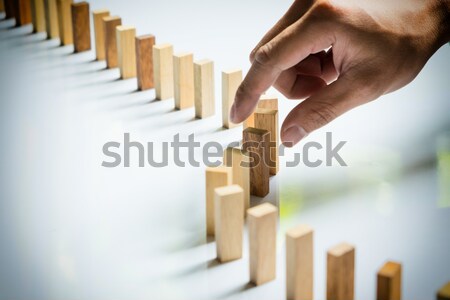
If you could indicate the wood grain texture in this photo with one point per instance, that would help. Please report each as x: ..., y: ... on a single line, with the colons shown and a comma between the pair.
x: 38, y: 15
x: 22, y: 12
x: 163, y: 71
x: 341, y: 272
x: 9, y: 9
x: 215, y: 177
x: 256, y: 144
x: 65, y: 21
x: 51, y: 19
x: 299, y: 263
x: 262, y: 231
x: 81, y: 27
x: 99, y: 32
x: 109, y: 25
x: 265, y: 101
x: 229, y: 222
x: 204, y: 88
x: 237, y: 160
x: 126, y: 51
x: 389, y: 281
x: 144, y: 61
x: 444, y: 292
x: 230, y: 82
x: 183, y: 80
x: 267, y: 119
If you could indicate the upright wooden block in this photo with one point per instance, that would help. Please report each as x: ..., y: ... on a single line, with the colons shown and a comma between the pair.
x: 81, y: 27
x: 215, y: 177
x: 230, y: 83
x: 9, y: 9
x: 444, y: 292
x: 341, y: 272
x: 256, y: 144
x: 65, y: 21
x: 22, y: 12
x: 269, y: 102
x: 262, y: 231
x: 163, y: 71
x: 144, y: 61
x: 268, y: 119
x: 204, y: 88
x: 126, y: 51
x: 2, y: 6
x: 38, y: 15
x: 51, y: 19
x: 183, y: 80
x: 229, y: 222
x: 299, y: 263
x: 109, y: 26
x: 389, y: 282
x: 99, y: 32
x: 239, y: 163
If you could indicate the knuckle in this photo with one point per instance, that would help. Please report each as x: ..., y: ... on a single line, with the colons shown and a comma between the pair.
x: 321, y: 114
x: 264, y: 54
x: 327, y: 8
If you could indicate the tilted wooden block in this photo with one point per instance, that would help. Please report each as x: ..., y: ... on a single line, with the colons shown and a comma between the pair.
x: 38, y: 15
x: 126, y: 51
x: 267, y: 119
x: 163, y: 71
x: 299, y: 263
x: 229, y: 222
x: 183, y: 80
x: 444, y: 292
x: 341, y: 272
x: 230, y: 82
x: 9, y: 9
x: 256, y: 144
x: 144, y: 61
x: 22, y: 12
x: 81, y: 27
x: 262, y: 231
x: 109, y: 25
x: 204, y: 88
x: 389, y: 281
x: 99, y: 32
x: 269, y: 102
x: 51, y: 19
x: 65, y: 21
x: 215, y: 177
x: 239, y: 163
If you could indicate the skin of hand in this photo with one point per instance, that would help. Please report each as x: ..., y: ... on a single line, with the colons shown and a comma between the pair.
x: 340, y: 54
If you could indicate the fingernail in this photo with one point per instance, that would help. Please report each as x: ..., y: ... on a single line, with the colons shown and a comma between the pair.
x: 233, y: 113
x: 292, y: 135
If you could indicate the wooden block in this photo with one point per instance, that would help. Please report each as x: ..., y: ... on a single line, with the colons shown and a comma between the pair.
x: 262, y: 231
x: 229, y: 222
x: 268, y: 119
x: 2, y: 6
x: 235, y: 158
x: 65, y: 21
x: 144, y: 61
x: 163, y: 71
x: 183, y: 80
x: 230, y: 83
x: 51, y: 19
x: 81, y: 27
x: 109, y: 25
x: 215, y: 177
x: 341, y: 272
x: 256, y: 144
x: 22, y: 12
x: 204, y: 88
x: 299, y: 263
x: 269, y: 102
x: 389, y: 282
x: 9, y: 9
x: 126, y: 51
x: 38, y: 15
x: 99, y: 32
x: 444, y: 292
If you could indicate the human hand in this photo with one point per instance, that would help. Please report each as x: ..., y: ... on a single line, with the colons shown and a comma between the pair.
x: 340, y: 54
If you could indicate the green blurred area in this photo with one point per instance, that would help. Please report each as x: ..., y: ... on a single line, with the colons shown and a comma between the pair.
x: 444, y: 178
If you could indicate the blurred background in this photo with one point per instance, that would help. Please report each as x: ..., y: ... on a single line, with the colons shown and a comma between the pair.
x: 72, y: 229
